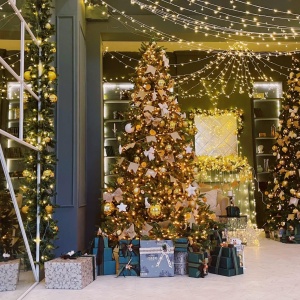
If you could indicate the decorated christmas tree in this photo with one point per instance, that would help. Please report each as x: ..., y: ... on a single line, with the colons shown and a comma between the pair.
x: 154, y: 195
x: 283, y: 192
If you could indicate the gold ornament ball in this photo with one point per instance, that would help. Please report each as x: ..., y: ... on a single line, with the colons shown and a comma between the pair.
x: 136, y: 190
x: 27, y: 75
x: 48, y: 26
x: 108, y: 208
x: 172, y: 125
x: 53, y: 98
x: 25, y: 209
x: 120, y: 180
x: 292, y: 191
x: 155, y: 211
x: 136, y: 159
x: 285, y: 149
x: 162, y: 123
x: 51, y: 75
x: 192, y: 203
x: 49, y: 209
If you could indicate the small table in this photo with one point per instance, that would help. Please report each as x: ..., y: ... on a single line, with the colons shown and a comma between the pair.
x: 233, y: 223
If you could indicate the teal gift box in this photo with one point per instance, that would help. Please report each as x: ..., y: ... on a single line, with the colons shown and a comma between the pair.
x: 129, y: 248
x: 225, y: 262
x: 197, y: 257
x: 226, y: 251
x: 96, y: 242
x: 156, y: 258
x: 193, y: 270
x: 131, y: 269
x: 107, y: 268
x: 125, y: 260
x: 225, y: 272
x: 107, y: 253
x: 181, y: 244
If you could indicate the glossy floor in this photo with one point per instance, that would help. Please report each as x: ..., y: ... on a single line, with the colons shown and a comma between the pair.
x: 272, y: 272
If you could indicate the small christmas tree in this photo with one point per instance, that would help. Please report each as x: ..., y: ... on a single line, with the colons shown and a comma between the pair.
x: 154, y: 195
x: 283, y: 192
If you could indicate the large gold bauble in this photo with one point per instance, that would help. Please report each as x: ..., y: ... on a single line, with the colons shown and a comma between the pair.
x: 284, y: 183
x: 49, y: 209
x: 161, y: 83
x: 292, y: 191
x: 154, y: 211
x: 51, y: 75
x: 27, y: 75
x: 108, y: 208
x: 185, y: 124
x: 298, y: 195
x: 285, y: 149
x: 25, y: 209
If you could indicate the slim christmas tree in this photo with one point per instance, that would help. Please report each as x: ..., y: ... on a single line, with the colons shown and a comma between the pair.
x: 283, y: 192
x: 154, y: 195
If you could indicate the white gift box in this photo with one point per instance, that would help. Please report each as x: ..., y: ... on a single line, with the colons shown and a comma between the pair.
x: 73, y: 274
x: 9, y: 275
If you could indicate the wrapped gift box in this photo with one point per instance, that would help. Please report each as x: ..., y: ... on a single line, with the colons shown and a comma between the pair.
x: 107, y: 253
x: 225, y: 272
x: 131, y: 269
x: 129, y: 248
x: 225, y: 262
x: 226, y: 251
x: 156, y: 258
x: 105, y: 240
x: 68, y: 273
x: 181, y: 244
x: 107, y: 268
x: 180, y: 263
x: 197, y: 257
x: 93, y: 258
x: 194, y: 270
x: 9, y: 275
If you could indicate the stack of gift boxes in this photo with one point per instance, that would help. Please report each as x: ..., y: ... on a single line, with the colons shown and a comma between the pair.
x: 129, y: 258
x: 180, y: 256
x: 108, y: 263
x: 225, y: 261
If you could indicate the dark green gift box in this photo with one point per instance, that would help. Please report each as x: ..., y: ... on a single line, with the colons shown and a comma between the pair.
x: 226, y: 251
x: 225, y: 262
x: 193, y: 270
x: 225, y: 272
x: 197, y: 257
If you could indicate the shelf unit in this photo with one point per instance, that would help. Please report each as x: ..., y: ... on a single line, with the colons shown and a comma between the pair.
x: 13, y: 151
x: 116, y: 100
x: 266, y: 107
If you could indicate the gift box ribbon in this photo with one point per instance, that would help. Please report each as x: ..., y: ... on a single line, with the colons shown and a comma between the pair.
x: 164, y: 252
x: 128, y: 249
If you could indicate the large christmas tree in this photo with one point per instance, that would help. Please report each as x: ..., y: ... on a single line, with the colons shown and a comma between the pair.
x: 154, y: 194
x: 283, y: 193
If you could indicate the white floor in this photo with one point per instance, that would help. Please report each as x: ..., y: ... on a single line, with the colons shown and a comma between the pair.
x: 272, y: 272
